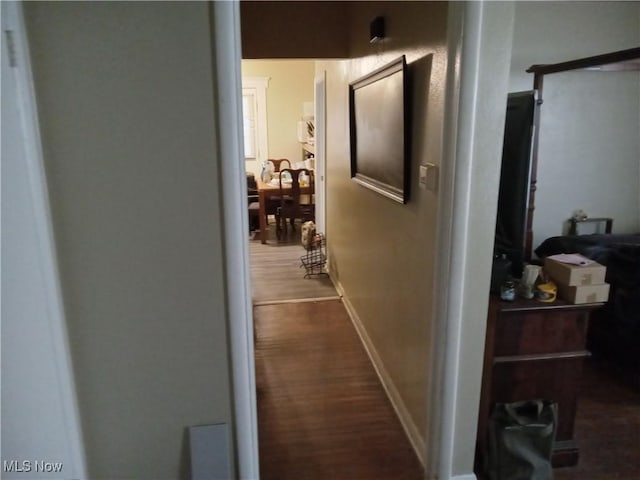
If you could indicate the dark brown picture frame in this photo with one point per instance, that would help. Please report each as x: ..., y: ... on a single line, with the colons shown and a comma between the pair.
x: 379, y: 122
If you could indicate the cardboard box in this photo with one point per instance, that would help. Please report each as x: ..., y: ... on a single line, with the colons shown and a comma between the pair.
x: 584, y: 293
x: 575, y: 275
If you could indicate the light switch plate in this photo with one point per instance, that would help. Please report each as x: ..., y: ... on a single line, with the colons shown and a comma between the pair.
x: 428, y: 177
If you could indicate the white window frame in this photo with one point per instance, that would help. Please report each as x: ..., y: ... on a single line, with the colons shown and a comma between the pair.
x: 257, y: 86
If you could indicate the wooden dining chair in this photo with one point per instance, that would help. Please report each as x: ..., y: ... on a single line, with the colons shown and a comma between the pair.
x: 294, y: 203
x: 254, y: 205
x: 274, y: 202
x: 253, y: 202
x: 278, y: 163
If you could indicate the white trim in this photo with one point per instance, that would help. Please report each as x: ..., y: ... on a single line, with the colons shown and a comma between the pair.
x: 255, y: 82
x: 260, y: 85
x: 296, y: 300
x: 250, y: 123
x: 457, y: 207
x: 410, y: 428
x: 227, y: 80
x: 13, y: 19
x: 440, y: 428
x: 481, y: 34
x: 320, y: 102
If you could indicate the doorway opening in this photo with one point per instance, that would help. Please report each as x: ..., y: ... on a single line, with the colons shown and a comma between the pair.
x: 290, y: 122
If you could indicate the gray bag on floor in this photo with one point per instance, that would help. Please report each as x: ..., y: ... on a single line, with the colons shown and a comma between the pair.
x: 521, y: 437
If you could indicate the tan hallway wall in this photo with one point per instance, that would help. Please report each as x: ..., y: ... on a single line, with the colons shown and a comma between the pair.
x: 382, y: 252
x: 126, y: 112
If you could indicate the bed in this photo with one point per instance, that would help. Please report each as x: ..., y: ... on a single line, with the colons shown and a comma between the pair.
x: 614, y: 332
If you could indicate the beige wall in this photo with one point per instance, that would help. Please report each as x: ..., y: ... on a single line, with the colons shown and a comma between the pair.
x: 382, y: 252
x: 290, y: 85
x: 126, y: 111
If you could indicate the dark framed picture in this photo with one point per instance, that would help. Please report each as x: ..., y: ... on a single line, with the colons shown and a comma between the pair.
x: 379, y: 118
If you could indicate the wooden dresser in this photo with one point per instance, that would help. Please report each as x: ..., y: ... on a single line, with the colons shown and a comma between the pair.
x: 534, y: 350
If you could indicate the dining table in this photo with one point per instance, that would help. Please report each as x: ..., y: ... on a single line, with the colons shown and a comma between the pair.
x: 270, y: 189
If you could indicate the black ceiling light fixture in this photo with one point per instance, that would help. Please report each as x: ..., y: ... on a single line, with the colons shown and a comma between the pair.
x: 376, y: 30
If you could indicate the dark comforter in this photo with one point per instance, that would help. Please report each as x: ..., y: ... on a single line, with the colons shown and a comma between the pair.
x: 615, y: 329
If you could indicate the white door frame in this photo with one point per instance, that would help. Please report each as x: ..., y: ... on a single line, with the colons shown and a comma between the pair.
x: 472, y: 144
x: 227, y: 56
x: 320, y: 103
x: 480, y: 39
x: 64, y: 393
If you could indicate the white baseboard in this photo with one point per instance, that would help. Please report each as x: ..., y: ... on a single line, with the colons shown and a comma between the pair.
x: 295, y: 300
x: 468, y: 476
x: 412, y: 432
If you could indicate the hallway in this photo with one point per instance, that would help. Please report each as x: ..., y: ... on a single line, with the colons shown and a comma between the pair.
x: 322, y: 412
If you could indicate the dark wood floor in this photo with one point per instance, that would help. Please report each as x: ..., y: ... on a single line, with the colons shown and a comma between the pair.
x: 607, y: 427
x: 322, y: 413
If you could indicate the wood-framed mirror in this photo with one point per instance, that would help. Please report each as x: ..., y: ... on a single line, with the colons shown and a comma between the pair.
x: 619, y: 61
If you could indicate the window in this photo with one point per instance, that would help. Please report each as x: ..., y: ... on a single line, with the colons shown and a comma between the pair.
x: 254, y: 118
x: 249, y: 111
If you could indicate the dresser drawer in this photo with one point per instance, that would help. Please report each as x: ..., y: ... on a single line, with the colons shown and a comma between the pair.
x: 539, y: 332
x: 552, y: 379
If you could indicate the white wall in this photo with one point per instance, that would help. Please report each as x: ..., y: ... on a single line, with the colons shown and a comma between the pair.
x: 39, y: 418
x: 125, y: 97
x: 589, y: 155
